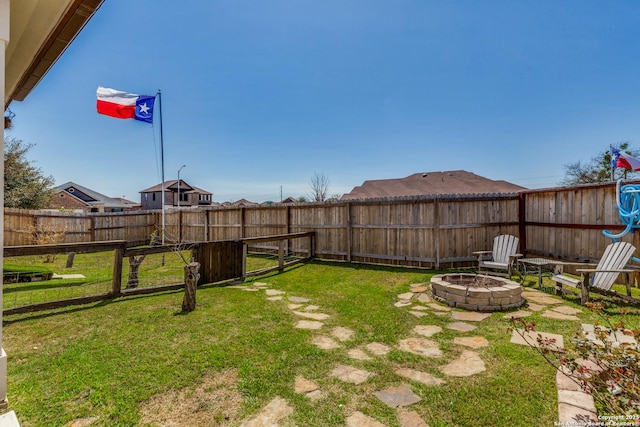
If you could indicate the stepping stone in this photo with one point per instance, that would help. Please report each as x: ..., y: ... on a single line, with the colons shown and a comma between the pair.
x: 549, y: 314
x: 398, y: 396
x: 473, y: 342
x: 314, y: 316
x: 304, y: 386
x: 419, y: 289
x: 517, y: 314
x: 579, y: 399
x: 547, y: 300
x: 271, y: 414
x: 442, y: 313
x: 273, y: 292
x: 563, y: 382
x: 424, y: 298
x: 311, y: 308
x: 294, y: 306
x: 358, y: 354
x: 616, y: 339
x: 467, y: 364
x: 278, y: 298
x: 325, y: 343
x: 402, y: 303
x: 420, y: 346
x: 530, y: 338
x: 250, y: 289
x: 469, y: 316
x: 535, y: 307
x: 237, y: 287
x: 406, y: 296
x: 358, y: 419
x: 377, y: 348
x: 422, y: 377
x: 417, y: 285
x: 308, y: 324
x: 460, y: 327
x: 418, y: 313
x: 567, y: 415
x: 439, y: 307
x: 564, y: 309
x: 343, y: 334
x: 410, y: 419
x: 260, y: 284
x: 420, y: 307
x: 350, y: 374
x: 427, y: 330
x: 299, y: 299
x: 532, y: 293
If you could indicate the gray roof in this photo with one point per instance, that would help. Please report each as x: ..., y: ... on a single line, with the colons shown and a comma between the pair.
x: 108, y: 202
x: 431, y: 183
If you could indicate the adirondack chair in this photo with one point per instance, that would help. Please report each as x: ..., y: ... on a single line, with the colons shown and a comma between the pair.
x: 611, y: 265
x: 503, y: 256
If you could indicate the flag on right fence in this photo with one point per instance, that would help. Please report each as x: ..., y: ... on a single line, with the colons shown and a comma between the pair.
x: 620, y: 159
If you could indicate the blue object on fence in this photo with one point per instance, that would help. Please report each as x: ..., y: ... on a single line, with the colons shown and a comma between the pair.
x: 628, y: 201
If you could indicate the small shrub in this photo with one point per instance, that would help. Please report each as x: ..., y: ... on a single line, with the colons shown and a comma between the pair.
x: 607, y: 367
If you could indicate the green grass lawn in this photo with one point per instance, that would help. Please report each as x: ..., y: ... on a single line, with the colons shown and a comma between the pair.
x: 111, y: 362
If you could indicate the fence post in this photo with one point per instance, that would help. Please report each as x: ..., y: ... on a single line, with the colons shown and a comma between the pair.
x: 191, y: 277
x: 312, y: 244
x: 245, y: 250
x: 116, y: 280
x: 280, y: 254
x: 349, y: 232
x: 522, y: 226
x: 436, y: 232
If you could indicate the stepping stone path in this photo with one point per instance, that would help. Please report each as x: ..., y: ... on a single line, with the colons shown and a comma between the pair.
x: 572, y: 401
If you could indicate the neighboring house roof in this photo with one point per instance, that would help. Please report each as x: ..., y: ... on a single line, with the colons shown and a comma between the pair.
x: 90, y: 197
x: 40, y: 31
x: 243, y: 202
x: 431, y: 183
x: 184, y: 187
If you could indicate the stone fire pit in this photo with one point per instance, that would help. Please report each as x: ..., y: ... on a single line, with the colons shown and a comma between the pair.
x: 476, y: 292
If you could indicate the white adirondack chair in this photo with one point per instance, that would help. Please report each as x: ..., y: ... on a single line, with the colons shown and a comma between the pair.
x: 504, y: 256
x: 611, y: 265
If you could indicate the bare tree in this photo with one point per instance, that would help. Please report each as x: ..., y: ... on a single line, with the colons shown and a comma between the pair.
x: 319, y: 187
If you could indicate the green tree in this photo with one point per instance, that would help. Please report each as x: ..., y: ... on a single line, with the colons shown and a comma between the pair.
x: 25, y: 186
x: 598, y: 169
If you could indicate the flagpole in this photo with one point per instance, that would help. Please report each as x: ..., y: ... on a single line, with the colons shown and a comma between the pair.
x: 612, y: 165
x: 161, y: 160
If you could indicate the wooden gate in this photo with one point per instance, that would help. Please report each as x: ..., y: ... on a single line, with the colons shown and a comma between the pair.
x: 220, y: 260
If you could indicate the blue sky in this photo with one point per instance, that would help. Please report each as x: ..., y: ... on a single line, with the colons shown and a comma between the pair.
x: 260, y: 95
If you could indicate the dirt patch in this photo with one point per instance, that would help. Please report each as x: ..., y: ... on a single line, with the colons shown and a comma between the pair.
x: 213, y: 402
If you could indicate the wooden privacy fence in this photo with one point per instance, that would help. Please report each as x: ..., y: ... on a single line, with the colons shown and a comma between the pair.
x: 439, y: 231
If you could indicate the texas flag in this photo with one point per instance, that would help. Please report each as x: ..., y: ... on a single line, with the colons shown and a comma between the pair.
x: 620, y: 159
x: 123, y: 105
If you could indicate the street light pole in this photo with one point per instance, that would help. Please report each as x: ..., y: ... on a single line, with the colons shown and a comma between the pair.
x: 179, y: 184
